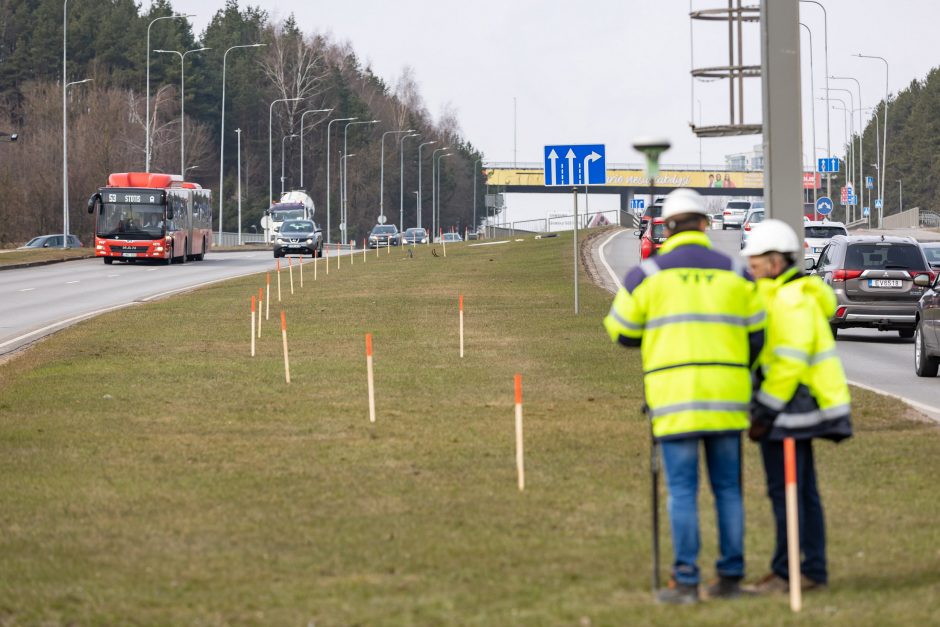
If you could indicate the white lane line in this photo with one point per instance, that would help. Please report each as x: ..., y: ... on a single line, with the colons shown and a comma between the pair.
x: 62, y: 323
x: 150, y: 270
x: 111, y: 276
x: 505, y: 241
x: 27, y: 289
x: 600, y: 252
x: 70, y: 282
x: 928, y: 410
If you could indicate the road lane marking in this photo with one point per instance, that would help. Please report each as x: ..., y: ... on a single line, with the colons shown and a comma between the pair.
x: 111, y: 276
x: 600, y: 251
x: 27, y: 289
x: 62, y: 323
x: 70, y: 282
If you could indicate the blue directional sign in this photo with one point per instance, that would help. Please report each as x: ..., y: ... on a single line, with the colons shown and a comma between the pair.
x: 827, y: 165
x: 869, y: 182
x: 878, y: 204
x: 823, y: 205
x: 852, y: 200
x: 584, y: 164
x: 637, y: 203
x: 865, y: 212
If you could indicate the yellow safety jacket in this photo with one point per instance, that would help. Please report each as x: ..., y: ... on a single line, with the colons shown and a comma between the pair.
x: 699, y: 321
x: 802, y: 389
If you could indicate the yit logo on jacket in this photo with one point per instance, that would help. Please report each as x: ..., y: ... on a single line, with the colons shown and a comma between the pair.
x: 696, y: 277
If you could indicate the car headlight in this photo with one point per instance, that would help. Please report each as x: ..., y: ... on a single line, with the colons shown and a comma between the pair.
x: 309, y: 241
x: 424, y: 241
x: 279, y: 241
x: 372, y: 238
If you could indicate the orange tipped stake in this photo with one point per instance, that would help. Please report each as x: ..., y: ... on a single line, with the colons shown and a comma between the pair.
x: 364, y: 247
x: 252, y: 325
x: 300, y: 262
x: 443, y: 243
x: 290, y: 269
x: 339, y: 249
x: 328, y: 261
x: 461, y: 326
x: 315, y: 260
x: 793, y: 525
x: 267, y: 297
x: 278, y: 280
x: 520, y: 463
x: 370, y: 377
x: 284, y: 338
x: 352, y: 251
x: 260, y: 292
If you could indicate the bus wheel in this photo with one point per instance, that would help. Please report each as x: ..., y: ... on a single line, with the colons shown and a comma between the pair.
x: 169, y: 259
x: 201, y: 255
x: 108, y: 260
x: 183, y: 257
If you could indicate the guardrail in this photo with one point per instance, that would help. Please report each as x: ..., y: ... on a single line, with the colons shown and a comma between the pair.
x: 556, y: 223
x: 231, y: 239
x: 929, y: 219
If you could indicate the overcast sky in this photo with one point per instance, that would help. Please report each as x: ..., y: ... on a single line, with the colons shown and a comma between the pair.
x: 603, y: 71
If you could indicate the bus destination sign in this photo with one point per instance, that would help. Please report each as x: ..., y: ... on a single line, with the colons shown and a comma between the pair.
x: 133, y: 198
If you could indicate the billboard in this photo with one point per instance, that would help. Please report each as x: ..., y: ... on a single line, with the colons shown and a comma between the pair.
x: 637, y: 178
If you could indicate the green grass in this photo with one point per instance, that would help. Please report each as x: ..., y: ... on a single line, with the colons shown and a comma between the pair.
x: 17, y: 257
x: 146, y: 479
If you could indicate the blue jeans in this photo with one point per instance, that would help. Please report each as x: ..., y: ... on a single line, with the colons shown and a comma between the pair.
x: 812, y: 522
x: 723, y: 457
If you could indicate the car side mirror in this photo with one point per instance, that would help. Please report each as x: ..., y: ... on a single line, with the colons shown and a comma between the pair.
x: 809, y: 264
x: 636, y: 234
x: 93, y: 202
x: 922, y: 280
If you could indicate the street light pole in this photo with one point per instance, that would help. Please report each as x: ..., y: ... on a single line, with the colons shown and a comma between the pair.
x: 282, y: 158
x: 344, y: 228
x: 850, y: 170
x: 147, y: 93
x: 401, y: 179
x: 826, y: 55
x: 861, y: 130
x: 182, y: 56
x: 812, y: 103
x: 900, y: 196
x: 65, y: 165
x: 222, y: 140
x: 343, y: 171
x: 238, y: 134
x: 270, y: 148
x: 302, y: 116
x: 420, y: 189
x: 476, y: 165
x: 434, y: 190
x: 328, y: 126
x: 884, y: 142
x: 382, y: 171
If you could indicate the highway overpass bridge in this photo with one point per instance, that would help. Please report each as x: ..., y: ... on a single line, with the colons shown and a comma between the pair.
x: 627, y: 181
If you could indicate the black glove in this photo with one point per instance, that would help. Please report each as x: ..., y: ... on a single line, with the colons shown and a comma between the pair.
x: 762, y: 421
x: 758, y: 431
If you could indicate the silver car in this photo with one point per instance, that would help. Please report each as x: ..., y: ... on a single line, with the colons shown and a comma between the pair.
x: 734, y: 213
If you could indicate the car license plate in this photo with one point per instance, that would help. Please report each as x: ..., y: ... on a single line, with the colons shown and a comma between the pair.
x: 884, y: 283
x: 817, y: 250
x: 294, y: 246
x: 128, y: 254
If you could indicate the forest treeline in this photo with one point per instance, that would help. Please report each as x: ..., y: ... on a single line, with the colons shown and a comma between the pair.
x: 107, y: 117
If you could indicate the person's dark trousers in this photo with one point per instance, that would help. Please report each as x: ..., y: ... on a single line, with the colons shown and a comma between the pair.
x: 812, y: 520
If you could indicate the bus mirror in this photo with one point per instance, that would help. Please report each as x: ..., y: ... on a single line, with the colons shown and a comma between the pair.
x: 94, y: 201
x: 169, y: 213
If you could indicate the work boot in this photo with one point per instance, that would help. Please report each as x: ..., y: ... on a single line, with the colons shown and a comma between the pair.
x: 678, y: 593
x: 771, y: 583
x: 724, y: 588
x: 811, y: 585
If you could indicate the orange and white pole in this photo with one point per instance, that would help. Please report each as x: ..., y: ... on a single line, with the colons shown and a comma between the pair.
x: 328, y: 261
x: 252, y: 325
x: 339, y: 250
x: 300, y: 263
x: 278, y: 280
x: 376, y: 250
x: 364, y: 248
x: 290, y: 269
x: 352, y: 252
x: 284, y: 338
x: 370, y: 377
x: 443, y: 243
x: 267, y: 298
x: 520, y: 463
x: 260, y: 293
x: 793, y: 524
x: 315, y: 260
x: 461, y: 326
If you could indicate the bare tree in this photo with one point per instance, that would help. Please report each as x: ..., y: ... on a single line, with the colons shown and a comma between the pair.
x: 295, y: 69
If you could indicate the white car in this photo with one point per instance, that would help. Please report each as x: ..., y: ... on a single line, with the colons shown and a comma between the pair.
x: 817, y: 233
x: 734, y: 213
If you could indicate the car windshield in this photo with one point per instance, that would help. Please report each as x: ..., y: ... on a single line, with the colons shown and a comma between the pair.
x: 824, y: 232
x: 655, y: 211
x: 658, y: 231
x: 384, y: 230
x: 287, y: 213
x: 36, y: 242
x: 757, y: 216
x: 884, y: 256
x: 415, y: 233
x: 298, y: 226
x: 738, y: 206
x: 131, y: 221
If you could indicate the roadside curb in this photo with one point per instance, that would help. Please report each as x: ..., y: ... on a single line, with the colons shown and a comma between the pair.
x: 45, y: 262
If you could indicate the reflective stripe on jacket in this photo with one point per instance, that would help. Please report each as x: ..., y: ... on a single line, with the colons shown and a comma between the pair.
x: 802, y: 387
x: 699, y: 321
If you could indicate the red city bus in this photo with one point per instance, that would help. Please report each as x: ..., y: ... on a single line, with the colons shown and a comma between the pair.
x: 146, y: 215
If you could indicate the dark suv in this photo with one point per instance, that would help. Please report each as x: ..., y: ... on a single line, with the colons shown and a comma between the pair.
x: 877, y: 281
x: 384, y: 235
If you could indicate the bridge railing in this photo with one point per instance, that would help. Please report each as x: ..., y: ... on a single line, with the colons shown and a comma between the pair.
x: 555, y: 223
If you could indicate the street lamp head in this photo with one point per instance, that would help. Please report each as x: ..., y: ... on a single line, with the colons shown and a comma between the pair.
x: 651, y: 147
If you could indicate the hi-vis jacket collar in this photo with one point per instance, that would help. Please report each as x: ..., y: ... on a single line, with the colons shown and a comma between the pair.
x: 695, y: 238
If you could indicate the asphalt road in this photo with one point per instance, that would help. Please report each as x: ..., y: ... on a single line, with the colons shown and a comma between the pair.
x: 879, y: 361
x: 35, y: 302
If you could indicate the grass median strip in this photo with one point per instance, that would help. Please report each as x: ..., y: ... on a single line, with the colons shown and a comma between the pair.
x: 151, y: 471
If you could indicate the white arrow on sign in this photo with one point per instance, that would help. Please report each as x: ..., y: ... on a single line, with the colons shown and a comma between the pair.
x: 570, y: 158
x: 553, y: 156
x: 588, y: 160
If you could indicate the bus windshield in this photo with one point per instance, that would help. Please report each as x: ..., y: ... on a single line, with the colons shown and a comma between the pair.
x: 131, y: 221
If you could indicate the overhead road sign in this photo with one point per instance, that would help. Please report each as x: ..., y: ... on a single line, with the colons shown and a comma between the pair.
x: 584, y: 164
x: 823, y: 205
x: 637, y: 203
x: 827, y: 165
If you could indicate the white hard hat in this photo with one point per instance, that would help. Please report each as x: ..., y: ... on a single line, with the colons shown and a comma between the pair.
x: 682, y: 201
x: 771, y: 236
